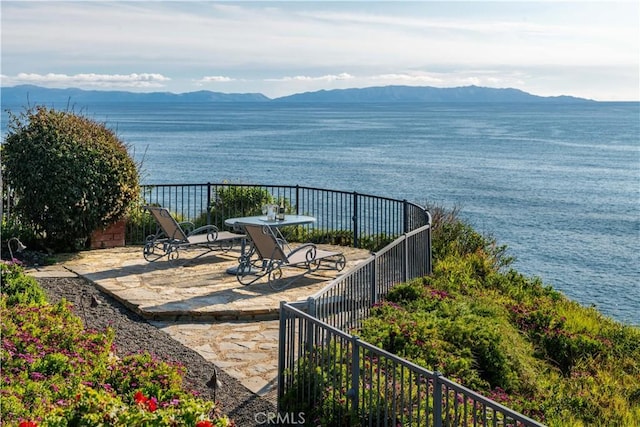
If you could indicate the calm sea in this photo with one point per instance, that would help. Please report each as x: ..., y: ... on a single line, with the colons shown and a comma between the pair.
x: 558, y: 184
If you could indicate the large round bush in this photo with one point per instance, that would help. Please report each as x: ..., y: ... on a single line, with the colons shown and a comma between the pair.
x: 71, y: 175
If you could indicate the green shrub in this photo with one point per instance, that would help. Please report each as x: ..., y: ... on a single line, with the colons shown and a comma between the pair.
x: 71, y: 175
x: 453, y: 236
x: 237, y: 201
x: 407, y: 293
x: 18, y: 288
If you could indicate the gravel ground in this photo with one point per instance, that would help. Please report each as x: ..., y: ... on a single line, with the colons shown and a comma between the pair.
x: 134, y: 334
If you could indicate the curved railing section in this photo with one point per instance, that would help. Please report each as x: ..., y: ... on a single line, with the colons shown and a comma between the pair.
x: 365, y: 220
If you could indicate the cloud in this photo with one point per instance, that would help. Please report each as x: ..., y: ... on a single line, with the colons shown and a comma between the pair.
x: 409, y: 78
x: 135, y: 80
x: 208, y: 80
x: 325, y: 78
x: 215, y: 79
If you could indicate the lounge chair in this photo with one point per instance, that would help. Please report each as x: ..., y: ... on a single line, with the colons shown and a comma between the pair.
x: 171, y: 237
x: 270, y: 254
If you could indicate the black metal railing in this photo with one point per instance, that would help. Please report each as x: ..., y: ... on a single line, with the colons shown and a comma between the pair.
x: 364, y: 221
x: 348, y: 299
x: 331, y: 377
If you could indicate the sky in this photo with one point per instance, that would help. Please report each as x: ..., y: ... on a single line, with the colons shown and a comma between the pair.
x: 588, y: 49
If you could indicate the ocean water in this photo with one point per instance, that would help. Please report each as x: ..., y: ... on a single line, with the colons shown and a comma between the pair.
x: 558, y: 184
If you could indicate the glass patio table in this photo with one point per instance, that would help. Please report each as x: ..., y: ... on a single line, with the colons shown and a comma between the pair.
x: 262, y: 220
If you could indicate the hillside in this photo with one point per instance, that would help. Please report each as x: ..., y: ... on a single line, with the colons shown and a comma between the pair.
x: 29, y: 94
x: 424, y: 94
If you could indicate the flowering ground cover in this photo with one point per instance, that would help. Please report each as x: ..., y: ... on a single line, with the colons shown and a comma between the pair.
x: 57, y: 373
x: 514, y: 340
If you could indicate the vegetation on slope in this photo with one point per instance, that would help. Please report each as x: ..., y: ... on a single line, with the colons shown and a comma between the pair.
x: 509, y: 337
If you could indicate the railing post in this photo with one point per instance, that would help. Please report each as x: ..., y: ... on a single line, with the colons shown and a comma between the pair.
x: 374, y: 280
x: 354, y: 219
x: 437, y: 399
x: 311, y: 307
x: 429, y: 255
x: 311, y: 310
x: 405, y: 257
x: 353, y: 392
x: 405, y: 226
x: 282, y: 335
x: 297, y: 199
x: 208, y: 203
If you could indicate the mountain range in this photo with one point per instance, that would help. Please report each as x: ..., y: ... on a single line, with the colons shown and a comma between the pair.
x: 33, y: 95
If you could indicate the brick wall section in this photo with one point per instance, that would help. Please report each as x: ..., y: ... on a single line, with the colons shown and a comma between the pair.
x: 110, y: 237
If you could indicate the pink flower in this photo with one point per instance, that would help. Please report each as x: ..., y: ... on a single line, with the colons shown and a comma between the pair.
x: 37, y: 376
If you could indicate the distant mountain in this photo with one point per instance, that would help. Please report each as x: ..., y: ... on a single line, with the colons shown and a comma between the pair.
x: 29, y: 94
x: 33, y: 95
x: 424, y: 94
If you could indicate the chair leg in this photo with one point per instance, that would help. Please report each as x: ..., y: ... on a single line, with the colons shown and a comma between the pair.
x: 246, y: 272
x: 314, y: 265
x: 172, y: 253
x: 152, y: 251
x: 276, y: 281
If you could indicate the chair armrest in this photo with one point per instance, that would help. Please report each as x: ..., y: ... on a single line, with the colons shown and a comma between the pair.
x: 310, y: 249
x: 205, y: 229
x: 304, y: 246
x: 187, y: 226
x: 210, y: 230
